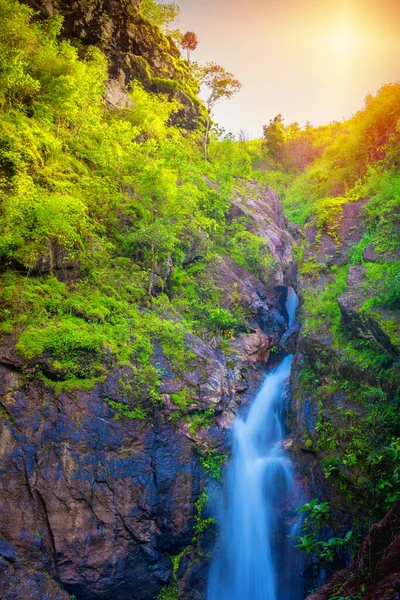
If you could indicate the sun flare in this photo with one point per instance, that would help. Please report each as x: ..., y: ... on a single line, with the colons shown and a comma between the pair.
x: 343, y: 41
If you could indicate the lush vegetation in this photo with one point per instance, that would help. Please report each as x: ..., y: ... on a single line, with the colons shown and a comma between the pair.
x: 110, y: 220
x: 113, y: 224
x: 352, y: 379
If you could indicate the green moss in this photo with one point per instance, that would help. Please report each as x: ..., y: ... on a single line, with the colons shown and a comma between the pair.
x: 202, y: 523
x: 182, y: 398
x: 201, y: 419
x: 169, y: 592
x: 212, y: 462
x: 122, y: 410
x: 321, y: 309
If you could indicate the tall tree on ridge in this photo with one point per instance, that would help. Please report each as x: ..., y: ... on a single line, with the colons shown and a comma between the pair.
x: 189, y: 43
x: 223, y: 86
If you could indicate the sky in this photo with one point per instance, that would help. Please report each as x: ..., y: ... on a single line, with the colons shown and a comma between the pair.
x: 310, y: 60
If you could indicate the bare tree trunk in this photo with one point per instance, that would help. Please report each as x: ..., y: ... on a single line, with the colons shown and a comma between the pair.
x: 207, y: 134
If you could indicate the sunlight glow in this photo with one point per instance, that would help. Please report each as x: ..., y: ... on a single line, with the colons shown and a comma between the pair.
x: 343, y: 41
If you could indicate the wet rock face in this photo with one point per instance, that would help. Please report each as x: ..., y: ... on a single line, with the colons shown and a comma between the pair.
x: 376, y: 567
x: 97, y: 503
x: 318, y: 361
x: 288, y: 341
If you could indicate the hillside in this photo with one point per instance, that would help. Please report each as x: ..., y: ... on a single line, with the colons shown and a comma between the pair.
x: 142, y: 302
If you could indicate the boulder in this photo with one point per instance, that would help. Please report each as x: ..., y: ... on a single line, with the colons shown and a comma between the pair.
x: 288, y: 341
x: 252, y: 347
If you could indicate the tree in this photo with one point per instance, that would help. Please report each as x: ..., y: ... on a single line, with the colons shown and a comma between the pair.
x: 189, y: 43
x: 243, y: 136
x: 163, y: 15
x: 275, y: 137
x: 222, y: 85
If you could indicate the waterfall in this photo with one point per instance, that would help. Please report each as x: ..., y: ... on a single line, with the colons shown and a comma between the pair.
x: 254, y: 558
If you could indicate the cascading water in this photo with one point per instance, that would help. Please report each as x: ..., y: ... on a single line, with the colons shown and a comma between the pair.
x: 254, y: 557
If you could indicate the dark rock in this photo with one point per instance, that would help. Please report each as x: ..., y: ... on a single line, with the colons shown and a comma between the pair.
x: 253, y: 347
x: 376, y: 567
x: 33, y: 586
x: 271, y: 321
x: 294, y: 230
x: 7, y: 551
x: 288, y: 341
x: 369, y: 254
x: 92, y: 500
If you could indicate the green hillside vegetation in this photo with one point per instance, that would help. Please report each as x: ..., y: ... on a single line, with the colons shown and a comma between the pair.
x: 354, y: 381
x: 99, y: 209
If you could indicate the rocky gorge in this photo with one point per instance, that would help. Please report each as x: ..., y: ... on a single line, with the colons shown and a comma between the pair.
x: 96, y: 507
x: 142, y: 299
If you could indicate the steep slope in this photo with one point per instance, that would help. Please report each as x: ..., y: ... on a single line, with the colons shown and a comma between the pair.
x: 345, y: 399
x: 135, y: 50
x: 101, y: 505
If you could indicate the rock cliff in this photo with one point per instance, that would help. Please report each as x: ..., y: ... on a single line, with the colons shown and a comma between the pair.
x: 136, y: 51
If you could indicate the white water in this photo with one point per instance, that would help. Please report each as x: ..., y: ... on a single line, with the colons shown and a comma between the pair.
x: 254, y: 558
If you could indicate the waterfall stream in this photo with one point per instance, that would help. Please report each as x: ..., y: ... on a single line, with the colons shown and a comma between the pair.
x: 254, y: 557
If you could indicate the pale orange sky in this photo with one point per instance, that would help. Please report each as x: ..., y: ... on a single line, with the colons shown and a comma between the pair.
x: 311, y: 60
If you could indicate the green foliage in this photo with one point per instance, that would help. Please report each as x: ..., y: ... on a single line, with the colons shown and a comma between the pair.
x: 159, y: 13
x: 212, y: 462
x: 202, y: 524
x: 201, y: 419
x: 122, y: 410
x: 359, y: 596
x: 275, y: 137
x: 98, y: 211
x: 315, y: 516
x: 169, y: 592
x: 352, y: 381
x: 321, y: 309
x: 358, y: 446
x: 250, y: 251
x: 222, y: 85
x: 330, y: 161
